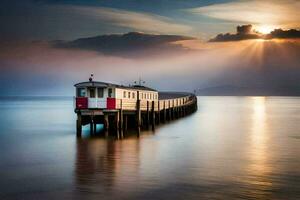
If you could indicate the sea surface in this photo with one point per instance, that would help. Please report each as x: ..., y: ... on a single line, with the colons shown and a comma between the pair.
x: 231, y: 148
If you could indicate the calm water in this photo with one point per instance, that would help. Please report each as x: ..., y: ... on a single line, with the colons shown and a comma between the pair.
x: 232, y: 148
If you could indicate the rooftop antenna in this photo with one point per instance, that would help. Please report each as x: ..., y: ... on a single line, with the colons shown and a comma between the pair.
x: 91, y: 77
x: 140, y: 82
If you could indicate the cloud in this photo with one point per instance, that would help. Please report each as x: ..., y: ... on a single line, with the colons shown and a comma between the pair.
x: 278, y: 13
x: 129, y: 44
x: 244, y: 29
x: 27, y: 20
x: 136, y: 20
x: 245, y: 32
x: 279, y: 33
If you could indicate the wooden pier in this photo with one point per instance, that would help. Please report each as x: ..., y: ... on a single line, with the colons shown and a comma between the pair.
x: 142, y: 112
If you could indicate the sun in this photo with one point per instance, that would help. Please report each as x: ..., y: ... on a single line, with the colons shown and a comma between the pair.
x: 264, y: 29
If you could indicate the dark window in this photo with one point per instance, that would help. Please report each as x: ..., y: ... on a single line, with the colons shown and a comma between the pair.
x: 100, y: 92
x: 81, y: 92
x: 124, y: 94
x: 92, y: 93
x: 109, y: 92
x: 133, y: 95
x: 129, y: 95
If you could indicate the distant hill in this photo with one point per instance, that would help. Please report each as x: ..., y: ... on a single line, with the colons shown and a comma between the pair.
x: 249, y: 91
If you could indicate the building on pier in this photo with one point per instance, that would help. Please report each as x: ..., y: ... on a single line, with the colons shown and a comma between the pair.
x: 119, y: 107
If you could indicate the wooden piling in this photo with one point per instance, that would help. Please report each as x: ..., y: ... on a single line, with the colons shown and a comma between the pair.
x: 121, y: 123
x: 158, y: 112
x: 95, y: 127
x: 153, y: 115
x: 117, y: 124
x: 148, y: 115
x: 165, y: 112
x: 91, y: 128
x: 125, y: 122
x: 138, y: 116
x: 121, y: 117
x: 78, y: 125
x: 106, y: 124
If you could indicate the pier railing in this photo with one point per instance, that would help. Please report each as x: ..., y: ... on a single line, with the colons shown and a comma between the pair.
x: 158, y: 104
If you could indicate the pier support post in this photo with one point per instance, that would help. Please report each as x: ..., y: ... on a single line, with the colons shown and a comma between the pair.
x: 180, y: 111
x: 173, y: 113
x: 106, y: 124
x: 153, y: 115
x: 174, y: 109
x: 121, y: 125
x: 148, y: 115
x: 138, y: 116
x: 78, y: 125
x: 125, y: 123
x: 95, y: 127
x: 91, y: 128
x: 158, y: 116
x: 117, y: 124
x: 165, y: 112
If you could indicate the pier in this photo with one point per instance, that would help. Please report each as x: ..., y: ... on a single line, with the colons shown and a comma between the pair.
x: 120, y: 108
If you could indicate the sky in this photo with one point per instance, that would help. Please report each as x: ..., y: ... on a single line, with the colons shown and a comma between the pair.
x: 46, y: 46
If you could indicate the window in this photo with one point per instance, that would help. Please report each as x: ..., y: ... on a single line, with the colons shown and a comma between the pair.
x: 129, y: 95
x: 81, y: 92
x: 124, y: 94
x: 92, y: 92
x: 133, y: 95
x: 110, y: 92
x: 100, y: 92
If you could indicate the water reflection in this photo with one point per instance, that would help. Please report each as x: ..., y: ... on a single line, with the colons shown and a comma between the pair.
x: 259, y: 131
x: 258, y: 177
x: 106, y: 166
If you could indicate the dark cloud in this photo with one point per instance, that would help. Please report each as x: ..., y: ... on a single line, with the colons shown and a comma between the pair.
x: 245, y: 32
x: 244, y: 29
x: 128, y: 44
x: 279, y: 33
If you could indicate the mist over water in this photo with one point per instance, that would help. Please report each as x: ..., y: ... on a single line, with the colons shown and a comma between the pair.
x: 231, y: 148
